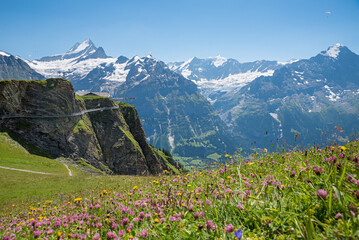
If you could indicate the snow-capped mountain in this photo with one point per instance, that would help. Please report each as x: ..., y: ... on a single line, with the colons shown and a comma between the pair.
x: 79, y: 51
x: 260, y: 101
x: 217, y: 76
x: 73, y: 65
x: 309, y: 97
x: 175, y: 116
x: 12, y: 67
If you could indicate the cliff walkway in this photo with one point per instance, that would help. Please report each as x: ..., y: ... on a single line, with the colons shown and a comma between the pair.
x: 60, y: 115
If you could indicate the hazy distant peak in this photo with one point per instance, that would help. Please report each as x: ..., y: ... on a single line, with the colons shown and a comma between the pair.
x: 333, y: 51
x: 78, y: 47
x: 79, y: 51
x: 218, y: 60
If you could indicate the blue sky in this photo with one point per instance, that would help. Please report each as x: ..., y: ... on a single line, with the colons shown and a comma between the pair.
x: 174, y: 30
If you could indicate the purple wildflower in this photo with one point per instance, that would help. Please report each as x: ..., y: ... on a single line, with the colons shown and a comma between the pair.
x: 121, y: 233
x: 96, y: 237
x: 339, y: 216
x: 209, y: 225
x: 317, y: 170
x: 240, y: 206
x: 111, y: 235
x: 238, y: 234
x: 37, y: 234
x: 125, y: 221
x: 144, y: 233
x: 322, y: 194
x: 142, y: 215
x: 230, y: 228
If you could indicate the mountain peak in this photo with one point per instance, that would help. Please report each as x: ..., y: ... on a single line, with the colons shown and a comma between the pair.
x: 219, y: 60
x: 79, y: 51
x: 78, y: 47
x: 333, y: 51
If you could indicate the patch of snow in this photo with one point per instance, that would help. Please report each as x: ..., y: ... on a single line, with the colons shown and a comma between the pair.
x: 235, y: 81
x: 119, y: 74
x: 69, y: 68
x: 186, y: 73
x: 332, y: 97
x: 171, y: 137
x: 85, y: 44
x: 219, y: 61
x: 110, y: 86
x: 275, y: 116
x: 4, y: 54
x: 289, y: 62
x: 186, y: 63
x: 333, y: 51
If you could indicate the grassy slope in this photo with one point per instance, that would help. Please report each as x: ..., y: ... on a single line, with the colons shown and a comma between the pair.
x: 22, y: 186
x: 14, y: 156
x: 274, y: 197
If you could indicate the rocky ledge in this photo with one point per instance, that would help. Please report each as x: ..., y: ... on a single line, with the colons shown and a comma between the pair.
x: 47, y: 116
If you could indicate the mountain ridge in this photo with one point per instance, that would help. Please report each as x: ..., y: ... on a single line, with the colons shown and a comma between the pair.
x: 323, y: 81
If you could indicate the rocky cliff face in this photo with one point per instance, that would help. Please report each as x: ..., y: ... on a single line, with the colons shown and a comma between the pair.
x: 105, y: 139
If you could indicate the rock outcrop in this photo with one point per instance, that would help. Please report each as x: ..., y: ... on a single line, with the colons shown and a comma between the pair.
x: 111, y: 140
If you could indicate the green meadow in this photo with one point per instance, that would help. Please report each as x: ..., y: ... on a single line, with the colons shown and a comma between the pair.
x: 308, y: 193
